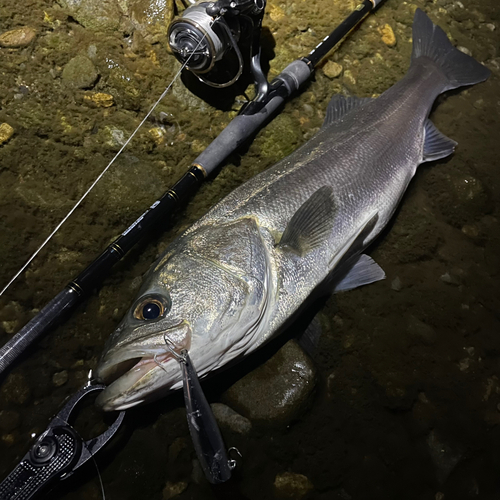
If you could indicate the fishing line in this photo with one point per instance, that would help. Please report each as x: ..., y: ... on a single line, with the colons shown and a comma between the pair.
x: 98, y: 471
x: 77, y: 204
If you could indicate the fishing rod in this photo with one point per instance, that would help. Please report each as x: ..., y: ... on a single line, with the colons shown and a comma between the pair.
x: 270, y: 97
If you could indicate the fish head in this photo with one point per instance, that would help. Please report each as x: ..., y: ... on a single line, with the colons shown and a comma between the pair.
x: 190, y: 300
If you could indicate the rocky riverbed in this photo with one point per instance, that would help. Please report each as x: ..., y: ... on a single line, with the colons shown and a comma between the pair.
x: 400, y: 399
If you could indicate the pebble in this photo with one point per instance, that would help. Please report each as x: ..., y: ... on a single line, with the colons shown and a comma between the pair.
x: 80, y: 73
x: 292, y: 486
x: 172, y: 490
x: 465, y: 50
x: 227, y: 417
x: 388, y: 36
x: 10, y: 326
x: 275, y: 13
x: 396, y: 284
x: 99, y: 99
x: 332, y: 69
x: 349, y: 77
x: 16, y: 38
x: 60, y: 378
x: 15, y: 389
x: 450, y: 278
x: 277, y: 391
x: 6, y: 132
x: 472, y: 231
x: 8, y: 439
x: 158, y: 134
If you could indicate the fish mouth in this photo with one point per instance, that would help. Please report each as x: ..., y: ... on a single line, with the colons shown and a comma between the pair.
x: 131, y: 372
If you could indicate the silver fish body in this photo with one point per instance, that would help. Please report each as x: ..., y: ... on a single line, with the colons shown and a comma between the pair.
x: 233, y: 279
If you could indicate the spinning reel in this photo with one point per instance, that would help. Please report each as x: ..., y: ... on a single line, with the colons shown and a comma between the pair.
x: 210, y: 36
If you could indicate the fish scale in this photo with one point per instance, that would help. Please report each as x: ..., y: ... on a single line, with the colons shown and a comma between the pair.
x: 240, y: 274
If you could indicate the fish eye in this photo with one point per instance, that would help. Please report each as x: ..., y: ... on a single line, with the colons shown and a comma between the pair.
x: 151, y: 308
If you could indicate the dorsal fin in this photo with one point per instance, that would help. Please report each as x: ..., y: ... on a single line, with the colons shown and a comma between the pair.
x: 312, y: 222
x: 339, y: 106
x: 436, y: 144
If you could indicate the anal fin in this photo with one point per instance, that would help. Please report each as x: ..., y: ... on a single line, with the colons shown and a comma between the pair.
x: 361, y: 270
x: 436, y: 144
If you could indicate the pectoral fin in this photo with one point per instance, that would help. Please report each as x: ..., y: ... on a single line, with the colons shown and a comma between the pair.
x: 312, y: 222
x: 359, y: 271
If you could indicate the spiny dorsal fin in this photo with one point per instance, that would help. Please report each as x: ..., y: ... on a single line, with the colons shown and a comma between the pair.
x: 312, y: 222
x: 436, y: 144
x: 339, y: 106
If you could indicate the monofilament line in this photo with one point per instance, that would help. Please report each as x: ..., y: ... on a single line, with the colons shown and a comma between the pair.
x: 77, y: 204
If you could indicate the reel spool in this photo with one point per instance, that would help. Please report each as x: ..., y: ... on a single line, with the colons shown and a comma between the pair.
x: 207, y: 33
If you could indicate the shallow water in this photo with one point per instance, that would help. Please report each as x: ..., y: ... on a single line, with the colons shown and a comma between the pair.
x: 408, y: 398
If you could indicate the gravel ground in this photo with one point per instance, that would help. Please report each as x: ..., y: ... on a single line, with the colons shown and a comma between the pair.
x: 407, y: 403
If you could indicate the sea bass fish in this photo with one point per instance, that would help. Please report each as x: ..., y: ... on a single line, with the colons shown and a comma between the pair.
x: 234, y: 279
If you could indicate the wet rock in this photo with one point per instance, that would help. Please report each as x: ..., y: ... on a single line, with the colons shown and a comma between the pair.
x: 465, y: 50
x: 291, y: 486
x: 388, y: 36
x: 96, y: 15
x: 99, y: 99
x: 80, y: 73
x: 113, y: 136
x: 11, y: 316
x: 125, y: 84
x: 20, y: 37
x: 472, y: 231
x: 444, y: 456
x: 9, y: 326
x: 226, y: 417
x: 396, y: 284
x: 6, y: 132
x: 171, y: 490
x: 349, y: 77
x: 421, y: 331
x: 9, y: 420
x: 277, y: 391
x: 60, y: 378
x: 15, y: 389
x: 332, y: 69
x: 151, y: 17
x: 8, y: 439
x: 158, y: 135
x: 451, y: 278
x: 275, y: 13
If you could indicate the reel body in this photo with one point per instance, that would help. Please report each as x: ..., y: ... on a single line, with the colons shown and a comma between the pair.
x: 209, y: 34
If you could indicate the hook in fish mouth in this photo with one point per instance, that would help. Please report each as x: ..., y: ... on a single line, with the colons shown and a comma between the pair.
x: 129, y: 369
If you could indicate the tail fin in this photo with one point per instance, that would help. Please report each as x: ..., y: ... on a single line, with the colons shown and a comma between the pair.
x: 431, y: 41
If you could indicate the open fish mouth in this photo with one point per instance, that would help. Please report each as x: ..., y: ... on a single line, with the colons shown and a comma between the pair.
x: 127, y: 361
x: 126, y: 377
x: 134, y: 372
